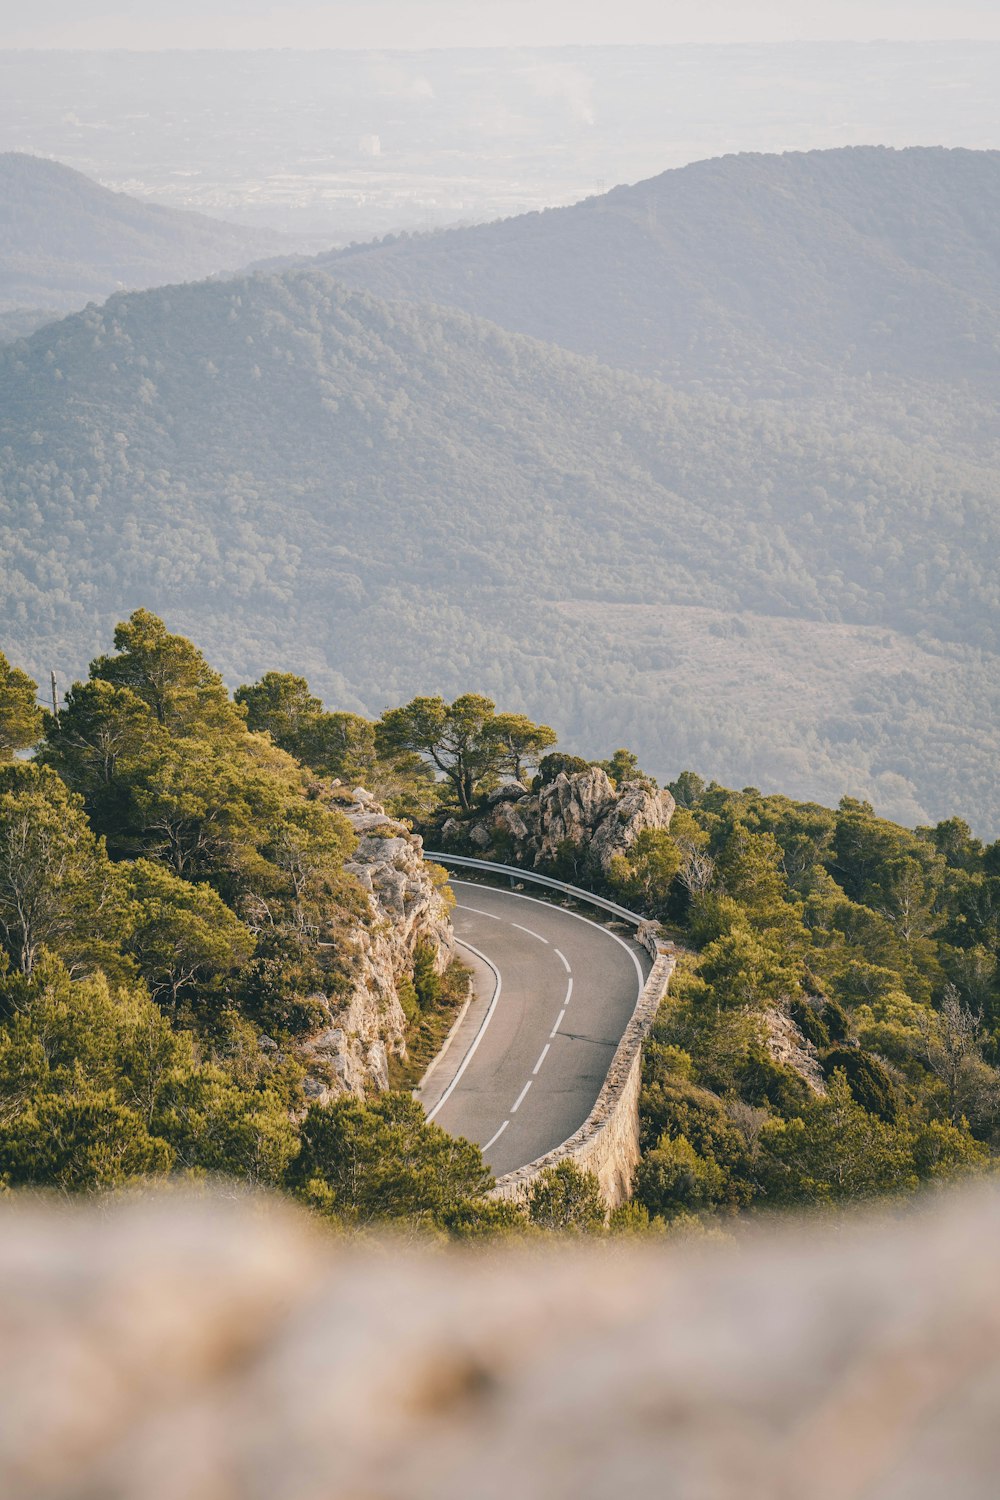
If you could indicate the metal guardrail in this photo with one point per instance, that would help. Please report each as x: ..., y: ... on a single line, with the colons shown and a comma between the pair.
x: 515, y: 872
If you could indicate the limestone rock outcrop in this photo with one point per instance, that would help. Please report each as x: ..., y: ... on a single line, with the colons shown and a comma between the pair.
x: 788, y: 1046
x: 350, y: 1053
x: 196, y: 1349
x: 582, y: 810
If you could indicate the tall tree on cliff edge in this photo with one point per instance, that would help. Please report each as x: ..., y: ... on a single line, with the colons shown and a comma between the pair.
x: 468, y: 742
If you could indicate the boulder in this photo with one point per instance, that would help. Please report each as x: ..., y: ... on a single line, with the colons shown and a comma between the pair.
x: 583, y: 809
x: 787, y: 1046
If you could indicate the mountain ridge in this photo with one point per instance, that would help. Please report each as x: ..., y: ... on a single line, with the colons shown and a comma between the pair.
x: 66, y: 240
x: 694, y: 275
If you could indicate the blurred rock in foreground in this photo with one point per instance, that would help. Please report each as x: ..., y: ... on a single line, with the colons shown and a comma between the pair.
x: 217, y: 1350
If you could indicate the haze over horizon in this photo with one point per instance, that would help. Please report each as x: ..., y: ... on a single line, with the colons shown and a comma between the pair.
x: 339, y: 145
x: 419, y: 24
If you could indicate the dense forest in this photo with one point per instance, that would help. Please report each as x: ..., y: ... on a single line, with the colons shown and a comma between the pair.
x: 66, y: 241
x: 389, y: 497
x: 175, y: 902
x: 880, y: 945
x: 175, y: 911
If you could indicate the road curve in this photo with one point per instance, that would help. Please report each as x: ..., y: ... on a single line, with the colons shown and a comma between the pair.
x: 555, y: 992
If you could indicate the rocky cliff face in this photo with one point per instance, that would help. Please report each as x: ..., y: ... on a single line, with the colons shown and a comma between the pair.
x: 582, y: 813
x: 408, y: 906
x: 787, y: 1045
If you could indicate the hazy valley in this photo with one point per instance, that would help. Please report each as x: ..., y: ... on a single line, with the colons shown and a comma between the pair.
x: 345, y: 145
x: 395, y: 497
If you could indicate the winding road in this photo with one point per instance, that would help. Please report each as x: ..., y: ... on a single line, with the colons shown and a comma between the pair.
x: 554, y: 993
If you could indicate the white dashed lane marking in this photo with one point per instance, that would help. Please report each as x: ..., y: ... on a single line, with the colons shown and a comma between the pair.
x: 520, y: 1098
x: 528, y: 930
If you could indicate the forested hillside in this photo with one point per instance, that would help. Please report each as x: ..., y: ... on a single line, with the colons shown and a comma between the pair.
x: 183, y: 918
x: 21, y: 322
x: 66, y: 241
x: 836, y: 1036
x: 394, y: 498
x: 183, y: 932
x: 748, y: 273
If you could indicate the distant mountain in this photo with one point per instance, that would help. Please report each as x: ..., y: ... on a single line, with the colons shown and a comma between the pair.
x: 754, y: 275
x: 396, y: 499
x: 65, y: 241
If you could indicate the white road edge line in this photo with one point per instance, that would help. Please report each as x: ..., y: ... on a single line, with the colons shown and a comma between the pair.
x: 479, y: 1034
x: 528, y: 930
x: 562, y: 1017
x: 550, y: 906
x: 494, y: 1138
x: 520, y: 1098
x: 538, y: 1064
x: 564, y: 959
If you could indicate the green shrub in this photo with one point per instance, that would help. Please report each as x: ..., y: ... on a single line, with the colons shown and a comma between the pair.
x: 283, y: 989
x: 670, y: 1106
x: 811, y: 1024
x: 836, y: 1020
x: 567, y: 1200
x: 764, y: 1081
x: 633, y: 1219
x: 365, y: 1163
x: 551, y: 766
x: 426, y: 979
x: 409, y: 1000
x: 674, y: 1178
x: 869, y: 1082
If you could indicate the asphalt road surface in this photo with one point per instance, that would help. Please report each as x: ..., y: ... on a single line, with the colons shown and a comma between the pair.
x: 554, y: 993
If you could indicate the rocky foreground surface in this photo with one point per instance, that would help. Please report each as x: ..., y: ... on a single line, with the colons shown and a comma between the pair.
x: 182, y: 1349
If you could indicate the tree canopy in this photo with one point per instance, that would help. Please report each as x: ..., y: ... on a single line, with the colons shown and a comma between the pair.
x: 879, y: 944
x: 176, y: 913
x: 467, y: 741
x: 20, y: 716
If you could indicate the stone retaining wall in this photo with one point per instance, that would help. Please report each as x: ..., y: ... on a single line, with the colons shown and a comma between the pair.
x: 607, y: 1143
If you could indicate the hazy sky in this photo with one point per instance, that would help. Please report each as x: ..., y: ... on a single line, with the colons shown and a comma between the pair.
x: 435, y: 23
